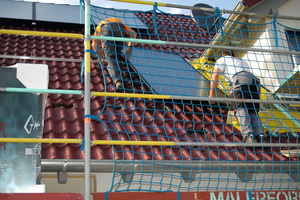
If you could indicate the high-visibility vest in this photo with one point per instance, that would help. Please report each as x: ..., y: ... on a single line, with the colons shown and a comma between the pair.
x: 117, y: 20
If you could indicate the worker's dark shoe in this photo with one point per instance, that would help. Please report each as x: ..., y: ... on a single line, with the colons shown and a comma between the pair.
x: 260, y: 139
x: 249, y: 139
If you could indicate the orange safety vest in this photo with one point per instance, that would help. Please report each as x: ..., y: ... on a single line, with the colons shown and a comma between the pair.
x: 117, y: 20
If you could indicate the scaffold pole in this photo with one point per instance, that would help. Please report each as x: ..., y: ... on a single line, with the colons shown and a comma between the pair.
x: 87, y: 121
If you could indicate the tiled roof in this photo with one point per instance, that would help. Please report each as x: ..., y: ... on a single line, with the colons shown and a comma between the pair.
x: 141, y: 119
x: 175, y: 28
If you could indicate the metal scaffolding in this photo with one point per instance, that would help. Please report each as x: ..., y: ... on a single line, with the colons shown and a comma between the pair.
x: 106, y: 166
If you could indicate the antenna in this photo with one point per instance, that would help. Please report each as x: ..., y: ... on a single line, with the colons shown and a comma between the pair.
x: 206, y: 20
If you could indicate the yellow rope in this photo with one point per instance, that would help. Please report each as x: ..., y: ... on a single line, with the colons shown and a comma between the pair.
x: 79, y: 141
x: 146, y: 143
x: 130, y: 95
x: 41, y: 33
x: 40, y: 140
x: 87, y: 57
x: 141, y: 2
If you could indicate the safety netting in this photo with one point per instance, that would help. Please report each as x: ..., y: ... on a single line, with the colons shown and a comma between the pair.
x: 242, y: 138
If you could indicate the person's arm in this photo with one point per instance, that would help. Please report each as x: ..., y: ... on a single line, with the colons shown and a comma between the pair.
x: 128, y: 52
x: 214, y: 83
x: 100, y: 52
x: 130, y: 34
x: 133, y: 35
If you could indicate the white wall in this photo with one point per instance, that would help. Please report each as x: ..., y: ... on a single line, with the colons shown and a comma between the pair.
x: 274, y: 68
x: 75, y: 183
x: 291, y: 8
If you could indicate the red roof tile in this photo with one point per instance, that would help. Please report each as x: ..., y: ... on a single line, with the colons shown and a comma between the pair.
x: 180, y: 29
x: 146, y: 120
x: 250, y: 3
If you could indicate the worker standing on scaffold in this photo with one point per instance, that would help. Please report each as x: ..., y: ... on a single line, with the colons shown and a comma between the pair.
x: 110, y: 52
x: 244, y: 85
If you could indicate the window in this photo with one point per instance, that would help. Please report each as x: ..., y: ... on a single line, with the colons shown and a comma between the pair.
x: 293, y: 39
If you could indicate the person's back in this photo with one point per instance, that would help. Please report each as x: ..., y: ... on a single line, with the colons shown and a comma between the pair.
x: 230, y: 65
x: 127, y: 30
x: 110, y: 52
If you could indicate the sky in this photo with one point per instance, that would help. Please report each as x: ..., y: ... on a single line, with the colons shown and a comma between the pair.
x: 222, y: 4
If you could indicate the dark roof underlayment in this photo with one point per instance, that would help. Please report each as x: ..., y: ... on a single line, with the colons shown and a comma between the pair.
x: 250, y: 3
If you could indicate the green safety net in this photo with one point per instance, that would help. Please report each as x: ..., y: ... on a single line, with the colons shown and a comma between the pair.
x: 185, y: 71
